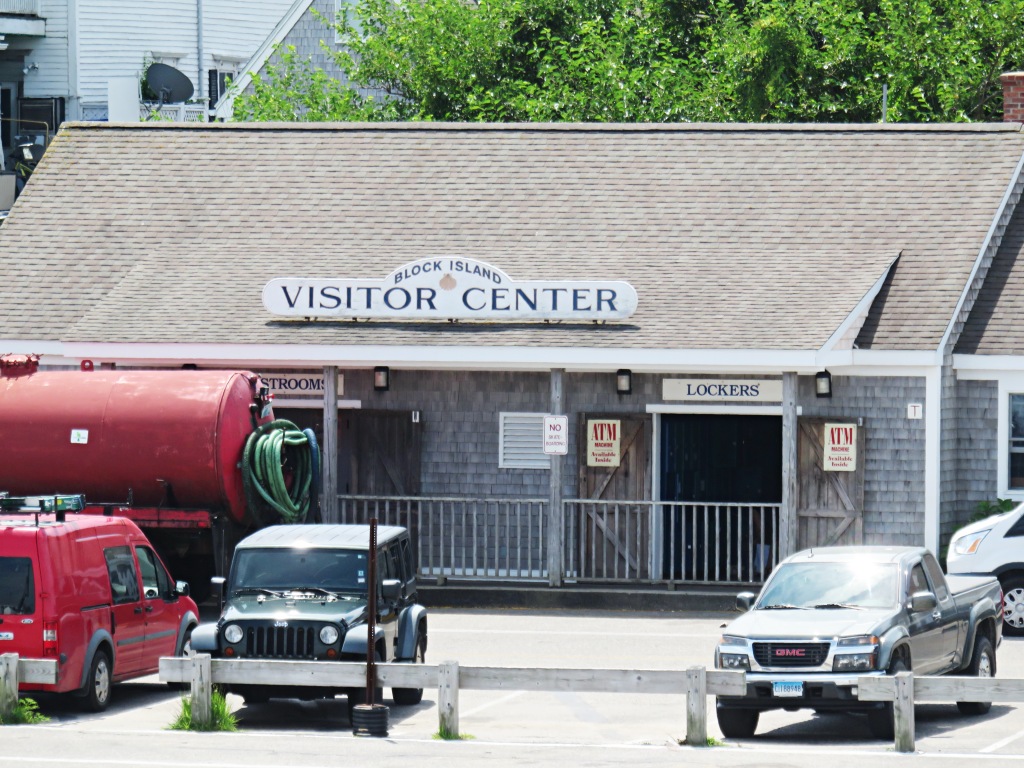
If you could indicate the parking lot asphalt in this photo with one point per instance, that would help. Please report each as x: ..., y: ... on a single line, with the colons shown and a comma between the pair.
x: 527, y: 728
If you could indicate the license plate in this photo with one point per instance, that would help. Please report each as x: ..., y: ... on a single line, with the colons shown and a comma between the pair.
x: 790, y: 690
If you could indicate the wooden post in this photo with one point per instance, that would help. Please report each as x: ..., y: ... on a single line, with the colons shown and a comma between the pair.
x: 556, y: 518
x: 329, y: 450
x: 790, y: 466
x: 696, y: 707
x: 8, y: 684
x: 903, y: 712
x: 448, y: 698
x: 202, y: 690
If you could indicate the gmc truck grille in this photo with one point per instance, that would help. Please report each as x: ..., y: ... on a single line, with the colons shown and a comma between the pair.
x: 791, y: 654
x: 280, y: 642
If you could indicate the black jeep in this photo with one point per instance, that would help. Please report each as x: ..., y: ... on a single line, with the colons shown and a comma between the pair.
x: 300, y: 592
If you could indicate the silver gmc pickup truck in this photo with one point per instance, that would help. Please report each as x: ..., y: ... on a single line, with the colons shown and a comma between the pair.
x: 828, y: 616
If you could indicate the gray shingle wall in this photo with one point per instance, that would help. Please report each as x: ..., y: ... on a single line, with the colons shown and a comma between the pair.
x: 894, y: 452
x: 460, y: 453
x: 975, y: 451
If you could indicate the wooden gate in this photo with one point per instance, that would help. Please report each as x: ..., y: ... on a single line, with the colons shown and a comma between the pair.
x: 830, y: 504
x: 613, y: 540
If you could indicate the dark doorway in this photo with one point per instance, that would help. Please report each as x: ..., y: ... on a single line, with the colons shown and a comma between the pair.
x: 719, y: 465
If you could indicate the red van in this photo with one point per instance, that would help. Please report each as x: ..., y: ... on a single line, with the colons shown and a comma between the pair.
x: 90, y: 592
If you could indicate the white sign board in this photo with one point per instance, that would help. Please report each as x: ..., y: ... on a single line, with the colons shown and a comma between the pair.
x: 556, y: 435
x: 603, y: 437
x: 79, y: 436
x: 450, y: 288
x: 719, y: 390
x: 301, y: 386
x: 840, y: 447
x: 915, y: 411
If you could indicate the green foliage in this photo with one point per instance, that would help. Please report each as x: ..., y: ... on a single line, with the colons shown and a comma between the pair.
x: 653, y: 61
x: 25, y: 713
x: 990, y: 508
x: 222, y: 718
x: 446, y: 735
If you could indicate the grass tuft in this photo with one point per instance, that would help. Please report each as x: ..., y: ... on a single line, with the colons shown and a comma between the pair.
x: 446, y: 735
x: 222, y: 718
x: 25, y: 713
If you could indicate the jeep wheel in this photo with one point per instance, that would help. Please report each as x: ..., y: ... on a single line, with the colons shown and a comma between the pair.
x: 737, y: 723
x: 880, y: 721
x: 1013, y: 606
x: 983, y: 664
x: 97, y: 684
x: 411, y: 696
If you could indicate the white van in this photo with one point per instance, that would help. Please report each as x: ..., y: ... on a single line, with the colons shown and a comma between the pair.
x: 995, y: 545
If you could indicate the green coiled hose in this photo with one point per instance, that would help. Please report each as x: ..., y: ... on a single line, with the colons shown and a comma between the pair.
x: 280, y: 467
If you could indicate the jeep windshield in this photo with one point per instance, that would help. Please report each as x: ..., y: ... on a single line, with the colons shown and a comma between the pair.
x: 279, y: 571
x: 17, y: 587
x: 835, y: 585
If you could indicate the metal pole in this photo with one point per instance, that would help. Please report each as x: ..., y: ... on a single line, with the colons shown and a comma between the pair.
x: 787, y: 515
x: 371, y: 623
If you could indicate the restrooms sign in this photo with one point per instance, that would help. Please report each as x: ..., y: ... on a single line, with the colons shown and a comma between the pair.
x: 450, y: 288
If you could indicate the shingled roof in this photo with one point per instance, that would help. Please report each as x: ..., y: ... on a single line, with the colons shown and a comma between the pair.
x: 735, y: 237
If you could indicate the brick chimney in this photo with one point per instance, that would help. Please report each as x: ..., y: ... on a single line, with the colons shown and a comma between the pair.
x: 1013, y: 97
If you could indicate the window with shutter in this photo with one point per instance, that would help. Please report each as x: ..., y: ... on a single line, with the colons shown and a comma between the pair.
x: 522, y: 441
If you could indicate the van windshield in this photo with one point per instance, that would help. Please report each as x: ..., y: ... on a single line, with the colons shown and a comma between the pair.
x: 17, y: 586
x: 335, y: 570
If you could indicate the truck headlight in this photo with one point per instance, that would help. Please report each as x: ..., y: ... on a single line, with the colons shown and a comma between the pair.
x: 329, y: 635
x: 853, y: 662
x: 734, y: 661
x: 969, y: 543
x: 233, y: 633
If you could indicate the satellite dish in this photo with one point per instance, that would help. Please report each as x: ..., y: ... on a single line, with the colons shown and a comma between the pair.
x: 168, y: 83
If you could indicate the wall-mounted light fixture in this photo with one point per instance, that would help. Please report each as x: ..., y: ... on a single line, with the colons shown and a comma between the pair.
x: 823, y: 384
x: 624, y: 381
x: 382, y: 378
x: 29, y: 68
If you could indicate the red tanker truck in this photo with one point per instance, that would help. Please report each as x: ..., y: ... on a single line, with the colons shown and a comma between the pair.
x: 194, y: 457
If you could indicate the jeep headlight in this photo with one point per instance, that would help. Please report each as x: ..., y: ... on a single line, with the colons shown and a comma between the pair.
x: 329, y: 635
x: 233, y: 633
x: 969, y: 543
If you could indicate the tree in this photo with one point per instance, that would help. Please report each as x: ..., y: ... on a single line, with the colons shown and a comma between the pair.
x: 654, y: 61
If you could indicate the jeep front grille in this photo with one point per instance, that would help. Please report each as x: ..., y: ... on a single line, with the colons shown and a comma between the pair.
x: 280, y: 642
x: 791, y: 654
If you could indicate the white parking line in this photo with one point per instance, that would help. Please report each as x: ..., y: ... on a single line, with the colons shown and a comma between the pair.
x: 490, y: 704
x: 1002, y: 743
x: 547, y: 632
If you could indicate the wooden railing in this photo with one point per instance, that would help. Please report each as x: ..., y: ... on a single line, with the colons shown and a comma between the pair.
x: 13, y: 671
x: 449, y: 678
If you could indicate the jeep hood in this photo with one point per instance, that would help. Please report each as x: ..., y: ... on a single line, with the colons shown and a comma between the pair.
x: 253, y: 608
x: 810, y: 623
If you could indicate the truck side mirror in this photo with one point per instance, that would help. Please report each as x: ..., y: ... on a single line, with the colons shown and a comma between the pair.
x: 392, y: 589
x: 744, y: 600
x: 922, y: 602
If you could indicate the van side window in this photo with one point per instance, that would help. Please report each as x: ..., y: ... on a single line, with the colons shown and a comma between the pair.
x: 124, y: 582
x: 155, y: 580
x: 17, y: 586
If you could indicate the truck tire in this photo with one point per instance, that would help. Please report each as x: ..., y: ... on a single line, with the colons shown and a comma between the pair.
x: 408, y: 697
x: 983, y: 664
x: 880, y: 721
x: 96, y: 693
x: 736, y: 723
x: 1013, y: 598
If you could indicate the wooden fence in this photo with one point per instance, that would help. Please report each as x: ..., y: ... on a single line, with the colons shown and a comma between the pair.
x: 13, y: 671
x: 697, y: 683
